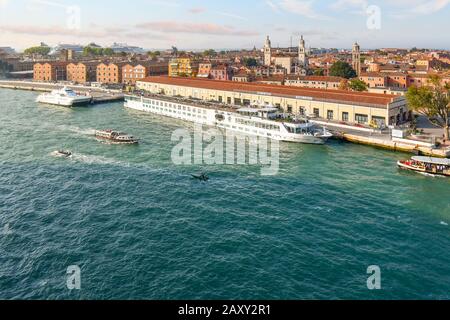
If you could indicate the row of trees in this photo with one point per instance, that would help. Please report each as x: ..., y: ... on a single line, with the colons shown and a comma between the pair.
x: 432, y: 101
x: 96, y: 51
x: 41, y: 50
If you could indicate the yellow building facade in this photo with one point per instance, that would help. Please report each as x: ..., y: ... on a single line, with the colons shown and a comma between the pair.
x: 183, y: 67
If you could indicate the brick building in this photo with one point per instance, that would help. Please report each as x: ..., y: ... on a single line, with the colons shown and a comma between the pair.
x: 82, y: 72
x: 50, y: 71
x: 221, y: 72
x: 375, y: 79
x: 109, y: 73
x: 138, y: 71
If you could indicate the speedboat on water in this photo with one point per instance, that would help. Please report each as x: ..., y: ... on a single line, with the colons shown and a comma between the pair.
x: 62, y: 154
x: 427, y: 165
x: 116, y: 137
x: 64, y: 97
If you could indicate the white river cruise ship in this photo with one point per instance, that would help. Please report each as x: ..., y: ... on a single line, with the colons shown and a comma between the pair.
x: 260, y: 121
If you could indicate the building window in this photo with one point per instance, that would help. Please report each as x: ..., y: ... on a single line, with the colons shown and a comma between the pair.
x: 330, y: 115
x: 361, y: 118
x: 345, y: 116
x: 316, y: 112
x: 289, y: 109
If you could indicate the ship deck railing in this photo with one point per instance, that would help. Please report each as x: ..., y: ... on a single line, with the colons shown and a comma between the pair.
x: 215, y: 105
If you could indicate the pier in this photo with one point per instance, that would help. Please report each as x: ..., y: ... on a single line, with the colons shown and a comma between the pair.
x: 99, y: 95
x: 383, y: 140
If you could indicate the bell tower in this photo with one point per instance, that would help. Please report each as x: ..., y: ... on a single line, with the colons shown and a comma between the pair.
x: 356, y: 58
x: 302, y: 58
x: 267, y: 52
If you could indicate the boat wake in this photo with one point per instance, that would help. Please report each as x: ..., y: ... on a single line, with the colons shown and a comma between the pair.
x: 77, y: 130
x: 431, y: 175
x: 90, y: 159
x: 6, y: 230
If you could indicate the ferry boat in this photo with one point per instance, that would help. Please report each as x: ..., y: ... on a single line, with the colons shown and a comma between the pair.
x: 265, y: 121
x: 116, y: 137
x: 427, y: 165
x: 63, y: 97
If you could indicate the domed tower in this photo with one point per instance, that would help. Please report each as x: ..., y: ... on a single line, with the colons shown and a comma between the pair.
x: 268, y: 52
x: 356, y: 58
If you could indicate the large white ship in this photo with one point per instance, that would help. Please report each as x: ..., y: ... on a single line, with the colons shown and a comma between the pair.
x: 260, y: 121
x: 63, y: 97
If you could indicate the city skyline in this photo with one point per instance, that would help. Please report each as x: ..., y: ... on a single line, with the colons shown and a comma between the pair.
x: 198, y: 24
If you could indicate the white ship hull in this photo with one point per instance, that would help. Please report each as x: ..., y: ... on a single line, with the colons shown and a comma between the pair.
x: 231, y: 120
x: 63, y: 101
x: 63, y: 97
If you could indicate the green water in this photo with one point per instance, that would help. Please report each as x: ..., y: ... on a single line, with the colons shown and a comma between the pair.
x: 140, y: 228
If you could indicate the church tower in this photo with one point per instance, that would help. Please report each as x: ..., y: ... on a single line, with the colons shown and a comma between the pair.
x: 267, y: 52
x: 356, y: 58
x: 302, y: 58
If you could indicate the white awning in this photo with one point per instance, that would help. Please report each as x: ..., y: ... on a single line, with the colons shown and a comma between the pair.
x: 436, y: 161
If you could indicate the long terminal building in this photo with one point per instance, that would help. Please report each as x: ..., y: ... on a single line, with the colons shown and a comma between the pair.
x: 334, y: 105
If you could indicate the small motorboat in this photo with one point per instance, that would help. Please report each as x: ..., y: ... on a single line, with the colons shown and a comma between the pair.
x: 202, y: 177
x: 62, y: 154
x: 116, y: 137
x: 427, y: 165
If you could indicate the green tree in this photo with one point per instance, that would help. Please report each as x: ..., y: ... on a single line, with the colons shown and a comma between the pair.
x: 209, y: 53
x: 319, y: 72
x: 38, y: 50
x: 108, y: 52
x: 357, y: 85
x: 154, y: 54
x: 342, y: 69
x: 432, y: 101
x: 250, y: 62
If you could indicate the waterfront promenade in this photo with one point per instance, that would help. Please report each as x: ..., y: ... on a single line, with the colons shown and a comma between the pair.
x: 100, y: 95
x: 353, y: 134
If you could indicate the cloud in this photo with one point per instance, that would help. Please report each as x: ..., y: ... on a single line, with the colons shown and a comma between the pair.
x: 413, y: 8
x: 301, y: 7
x: 359, y: 5
x: 197, y: 10
x: 3, y: 3
x: 430, y: 7
x: 273, y: 6
x: 191, y: 27
x: 231, y: 15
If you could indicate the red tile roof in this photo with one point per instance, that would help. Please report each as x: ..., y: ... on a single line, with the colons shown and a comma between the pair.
x: 348, y: 97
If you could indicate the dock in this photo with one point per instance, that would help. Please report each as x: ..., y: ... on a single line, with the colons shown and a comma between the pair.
x: 382, y: 140
x: 99, y: 95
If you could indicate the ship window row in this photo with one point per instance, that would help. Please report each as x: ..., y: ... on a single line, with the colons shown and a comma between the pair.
x: 258, y: 124
x: 174, y: 111
x: 176, y: 106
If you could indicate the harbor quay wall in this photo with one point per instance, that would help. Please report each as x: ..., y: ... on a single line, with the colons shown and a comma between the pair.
x: 401, y: 145
x: 99, y: 95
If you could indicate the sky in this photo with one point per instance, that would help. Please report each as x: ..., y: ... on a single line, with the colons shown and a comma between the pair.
x: 230, y: 24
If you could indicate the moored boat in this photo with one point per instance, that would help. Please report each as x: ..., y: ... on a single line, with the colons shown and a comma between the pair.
x: 116, y: 137
x: 263, y: 121
x: 64, y: 97
x: 427, y: 165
